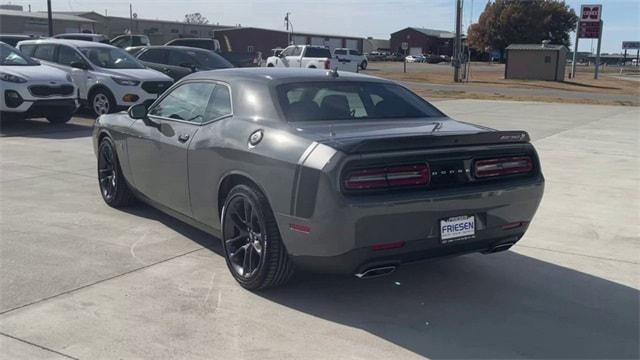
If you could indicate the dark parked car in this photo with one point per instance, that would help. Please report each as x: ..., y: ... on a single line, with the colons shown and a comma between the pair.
x: 14, y: 39
x: 179, y: 61
x: 202, y: 43
x: 125, y: 41
x: 310, y: 169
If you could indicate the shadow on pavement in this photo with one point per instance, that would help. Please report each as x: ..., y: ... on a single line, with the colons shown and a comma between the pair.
x: 80, y: 126
x: 503, y: 305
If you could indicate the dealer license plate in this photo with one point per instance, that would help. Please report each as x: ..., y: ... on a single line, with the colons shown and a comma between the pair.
x: 457, y: 228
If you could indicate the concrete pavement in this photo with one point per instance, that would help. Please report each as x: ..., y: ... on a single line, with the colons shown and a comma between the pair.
x: 82, y: 280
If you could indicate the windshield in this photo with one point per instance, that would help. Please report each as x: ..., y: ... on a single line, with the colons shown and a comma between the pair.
x: 110, y: 58
x: 320, y: 101
x: 210, y: 60
x: 10, y: 56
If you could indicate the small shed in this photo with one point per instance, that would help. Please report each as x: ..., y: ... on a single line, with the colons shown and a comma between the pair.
x: 536, y: 61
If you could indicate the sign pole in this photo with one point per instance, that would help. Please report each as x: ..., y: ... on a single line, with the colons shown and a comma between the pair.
x: 595, y: 74
x: 637, y: 56
x: 624, y: 62
x: 575, y: 53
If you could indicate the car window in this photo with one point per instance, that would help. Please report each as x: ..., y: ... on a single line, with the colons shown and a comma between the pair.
x: 158, y: 56
x: 351, y: 101
x: 45, y: 52
x: 179, y: 58
x: 110, y: 58
x: 317, y: 52
x: 122, y: 42
x: 355, y: 52
x: 287, y: 52
x: 297, y: 51
x: 210, y: 60
x: 219, y: 103
x: 187, y: 102
x: 11, y: 56
x: 67, y: 55
x: 28, y: 49
x: 340, y: 52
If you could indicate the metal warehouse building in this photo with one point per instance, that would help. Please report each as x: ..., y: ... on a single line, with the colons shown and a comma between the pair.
x: 252, y: 39
x: 158, y: 31
x: 535, y: 62
x: 423, y: 41
x: 36, y: 23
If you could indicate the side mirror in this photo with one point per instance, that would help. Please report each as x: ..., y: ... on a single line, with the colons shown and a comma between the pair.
x: 79, y: 65
x: 138, y: 111
x: 189, y: 66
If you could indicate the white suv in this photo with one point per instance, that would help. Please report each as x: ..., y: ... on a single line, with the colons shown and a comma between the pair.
x: 30, y: 89
x: 108, y: 78
x: 350, y: 55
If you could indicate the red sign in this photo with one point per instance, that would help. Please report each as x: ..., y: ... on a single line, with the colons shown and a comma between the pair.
x: 589, y: 30
x: 590, y: 13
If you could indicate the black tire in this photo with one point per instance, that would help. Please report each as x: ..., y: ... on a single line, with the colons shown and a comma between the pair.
x: 257, y: 237
x: 113, y: 187
x: 59, y: 118
x: 101, y: 101
x: 363, y: 65
x: 269, y: 65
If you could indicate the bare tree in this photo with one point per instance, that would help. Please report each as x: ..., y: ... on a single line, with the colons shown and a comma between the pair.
x: 195, y: 18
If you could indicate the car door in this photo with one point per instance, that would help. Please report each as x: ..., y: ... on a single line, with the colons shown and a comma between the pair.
x: 158, y: 154
x: 285, y: 55
x: 66, y: 56
x: 295, y: 58
x: 180, y: 64
x: 156, y: 59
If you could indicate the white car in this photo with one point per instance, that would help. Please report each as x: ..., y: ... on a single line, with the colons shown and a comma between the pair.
x: 108, y: 78
x: 350, y: 55
x: 310, y: 57
x: 30, y: 89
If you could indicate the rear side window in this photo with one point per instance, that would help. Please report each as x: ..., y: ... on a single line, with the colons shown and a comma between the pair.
x: 179, y: 58
x: 27, y: 49
x: 326, y: 101
x: 158, y: 56
x: 219, y: 103
x: 316, y: 52
x: 355, y: 52
x: 45, y: 52
x: 340, y: 52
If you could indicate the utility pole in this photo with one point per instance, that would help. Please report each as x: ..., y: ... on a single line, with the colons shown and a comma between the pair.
x: 50, y: 17
x: 595, y: 74
x: 457, y: 43
x: 287, y: 23
x: 130, y: 19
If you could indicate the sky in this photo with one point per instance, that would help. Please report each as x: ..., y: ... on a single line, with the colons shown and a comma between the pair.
x: 376, y: 18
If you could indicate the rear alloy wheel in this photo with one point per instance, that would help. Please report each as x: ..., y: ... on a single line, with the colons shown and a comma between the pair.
x: 102, y: 103
x: 113, y: 187
x: 253, y: 248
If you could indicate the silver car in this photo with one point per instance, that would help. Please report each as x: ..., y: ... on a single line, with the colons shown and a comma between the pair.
x: 319, y: 170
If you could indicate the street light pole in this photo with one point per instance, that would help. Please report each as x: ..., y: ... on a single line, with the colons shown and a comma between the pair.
x: 50, y: 17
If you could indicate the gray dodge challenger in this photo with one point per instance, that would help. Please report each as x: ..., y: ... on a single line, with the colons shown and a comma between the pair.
x: 318, y: 170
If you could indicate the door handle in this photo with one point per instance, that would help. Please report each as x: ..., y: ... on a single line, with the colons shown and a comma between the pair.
x: 183, y: 137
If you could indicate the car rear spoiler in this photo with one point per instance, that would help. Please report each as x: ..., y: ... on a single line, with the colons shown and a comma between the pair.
x: 436, y: 140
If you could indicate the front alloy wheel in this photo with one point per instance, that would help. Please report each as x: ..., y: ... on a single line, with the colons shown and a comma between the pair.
x: 101, y: 103
x: 113, y: 187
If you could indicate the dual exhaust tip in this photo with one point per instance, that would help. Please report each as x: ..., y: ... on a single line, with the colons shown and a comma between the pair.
x: 376, y: 272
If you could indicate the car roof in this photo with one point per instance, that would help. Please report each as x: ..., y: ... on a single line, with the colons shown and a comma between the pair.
x: 71, y: 42
x: 172, y: 47
x: 190, y: 39
x: 282, y: 75
x: 80, y: 34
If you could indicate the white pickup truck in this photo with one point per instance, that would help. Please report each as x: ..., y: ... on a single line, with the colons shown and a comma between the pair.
x: 308, y: 56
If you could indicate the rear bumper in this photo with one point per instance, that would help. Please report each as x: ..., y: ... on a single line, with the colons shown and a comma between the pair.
x: 343, y: 231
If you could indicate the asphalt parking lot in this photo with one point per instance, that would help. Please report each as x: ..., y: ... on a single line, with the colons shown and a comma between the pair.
x: 82, y: 280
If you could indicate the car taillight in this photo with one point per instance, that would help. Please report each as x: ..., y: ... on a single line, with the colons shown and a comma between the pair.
x: 327, y: 64
x: 502, y: 166
x: 379, y: 178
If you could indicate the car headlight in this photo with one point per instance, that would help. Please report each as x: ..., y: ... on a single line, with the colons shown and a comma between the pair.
x: 12, y: 78
x: 126, y: 82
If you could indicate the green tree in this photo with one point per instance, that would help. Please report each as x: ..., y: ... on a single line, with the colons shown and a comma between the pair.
x: 505, y: 22
x: 195, y: 18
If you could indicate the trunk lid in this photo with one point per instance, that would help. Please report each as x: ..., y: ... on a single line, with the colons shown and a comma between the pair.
x: 354, y: 137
